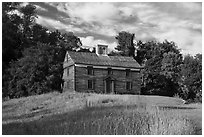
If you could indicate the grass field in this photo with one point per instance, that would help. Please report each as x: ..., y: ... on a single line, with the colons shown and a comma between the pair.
x: 76, y: 113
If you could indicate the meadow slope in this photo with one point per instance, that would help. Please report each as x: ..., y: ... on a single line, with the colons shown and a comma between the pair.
x: 56, y: 106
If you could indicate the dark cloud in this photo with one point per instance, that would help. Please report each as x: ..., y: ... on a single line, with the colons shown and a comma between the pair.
x: 181, y: 10
x: 128, y: 19
x: 50, y: 12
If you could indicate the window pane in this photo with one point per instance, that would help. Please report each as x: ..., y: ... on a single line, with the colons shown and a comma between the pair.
x: 68, y: 71
x: 67, y: 84
x: 128, y: 85
x: 100, y: 50
x: 104, y: 50
x: 127, y: 72
x: 110, y: 71
x: 90, y: 70
x: 90, y: 84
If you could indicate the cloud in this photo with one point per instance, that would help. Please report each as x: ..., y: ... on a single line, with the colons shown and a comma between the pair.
x: 187, y: 41
x: 180, y: 22
x: 103, y: 30
x: 40, y: 8
x: 90, y: 12
x: 24, y: 4
x: 56, y: 24
x: 102, y: 18
x: 91, y: 42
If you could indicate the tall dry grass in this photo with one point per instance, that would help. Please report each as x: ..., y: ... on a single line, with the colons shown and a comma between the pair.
x: 140, y: 119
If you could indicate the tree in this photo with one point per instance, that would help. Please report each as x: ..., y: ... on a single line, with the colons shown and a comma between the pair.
x: 28, y: 22
x: 125, y: 43
x: 191, y: 72
x: 171, y: 65
x: 11, y: 40
x: 32, y: 55
x: 41, y: 67
x: 28, y: 18
x: 17, y: 31
x: 162, y: 66
x: 11, y: 36
x: 150, y: 49
x: 40, y: 34
x: 161, y: 61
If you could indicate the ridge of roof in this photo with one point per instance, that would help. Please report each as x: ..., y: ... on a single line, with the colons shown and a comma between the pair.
x: 112, y: 61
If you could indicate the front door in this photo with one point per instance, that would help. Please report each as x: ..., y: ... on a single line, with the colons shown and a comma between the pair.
x: 109, y: 86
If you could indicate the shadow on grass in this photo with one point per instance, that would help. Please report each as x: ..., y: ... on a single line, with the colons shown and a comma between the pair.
x: 66, y: 123
x: 30, y: 115
x: 88, y: 121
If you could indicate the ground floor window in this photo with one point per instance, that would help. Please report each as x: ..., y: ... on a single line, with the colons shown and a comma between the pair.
x: 90, y: 84
x: 66, y: 84
x: 128, y: 85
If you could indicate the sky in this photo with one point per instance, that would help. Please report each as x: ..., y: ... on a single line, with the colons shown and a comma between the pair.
x: 99, y: 23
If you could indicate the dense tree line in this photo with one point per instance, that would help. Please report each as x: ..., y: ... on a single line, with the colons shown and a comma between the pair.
x: 32, y: 56
x: 166, y: 72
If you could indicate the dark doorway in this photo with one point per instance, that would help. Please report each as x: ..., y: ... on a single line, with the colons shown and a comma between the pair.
x: 109, y: 86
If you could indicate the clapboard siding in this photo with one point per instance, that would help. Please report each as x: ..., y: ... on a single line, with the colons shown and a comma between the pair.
x: 69, y: 81
x: 82, y: 77
x: 121, y: 80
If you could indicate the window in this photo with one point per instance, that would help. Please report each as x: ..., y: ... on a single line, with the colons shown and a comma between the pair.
x: 67, y: 71
x: 67, y: 84
x: 110, y: 71
x: 127, y: 72
x: 100, y: 50
x: 128, y: 85
x: 90, y: 70
x: 104, y: 50
x: 90, y: 84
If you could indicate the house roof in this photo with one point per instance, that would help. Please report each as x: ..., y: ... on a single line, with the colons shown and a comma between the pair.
x: 112, y: 61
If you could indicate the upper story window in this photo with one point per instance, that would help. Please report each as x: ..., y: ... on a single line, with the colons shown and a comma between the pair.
x: 110, y: 71
x: 128, y: 73
x: 90, y: 70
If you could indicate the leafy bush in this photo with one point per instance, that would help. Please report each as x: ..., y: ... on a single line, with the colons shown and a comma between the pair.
x: 31, y: 74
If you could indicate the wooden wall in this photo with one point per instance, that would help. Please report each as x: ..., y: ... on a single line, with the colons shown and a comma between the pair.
x: 69, y: 81
x: 82, y: 77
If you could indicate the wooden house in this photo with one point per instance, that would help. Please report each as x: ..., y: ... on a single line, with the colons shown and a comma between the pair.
x: 100, y: 73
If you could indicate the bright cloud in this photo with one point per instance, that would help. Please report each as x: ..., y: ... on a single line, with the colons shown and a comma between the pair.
x: 56, y: 24
x: 91, y: 42
x: 90, y: 12
x: 178, y: 22
x: 40, y: 8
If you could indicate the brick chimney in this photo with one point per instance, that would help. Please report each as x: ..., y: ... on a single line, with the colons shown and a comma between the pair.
x: 102, y: 50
